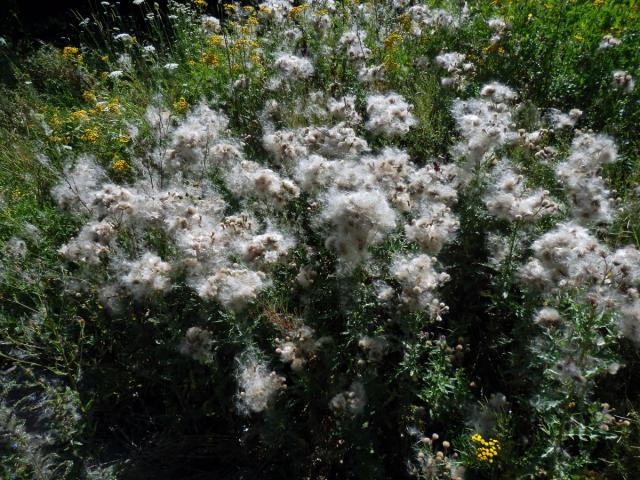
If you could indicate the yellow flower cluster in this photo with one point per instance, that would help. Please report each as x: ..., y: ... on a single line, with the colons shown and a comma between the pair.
x: 405, y: 22
x: 210, y: 58
x: 90, y: 135
x: 392, y: 39
x: 79, y: 114
x: 181, y: 105
x: 200, y: 3
x: 216, y: 39
x: 295, y: 11
x: 70, y: 52
x: 89, y: 96
x: 119, y: 165
x: 487, y: 450
x: 114, y: 105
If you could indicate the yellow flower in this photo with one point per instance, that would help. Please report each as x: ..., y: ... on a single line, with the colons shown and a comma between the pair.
x: 229, y: 7
x: 114, y: 105
x: 79, y: 114
x: 88, y: 96
x: 104, y: 58
x: 578, y: 37
x: 70, y: 52
x: 253, y: 20
x: 405, y: 21
x: 124, y: 138
x: 249, y: 9
x: 392, y: 39
x: 200, y: 3
x: 255, y: 58
x: 100, y: 107
x: 90, y: 135
x: 119, y: 165
x: 216, y: 39
x: 210, y: 58
x: 487, y: 450
x: 181, y: 105
x: 295, y: 11
x: 597, y: 3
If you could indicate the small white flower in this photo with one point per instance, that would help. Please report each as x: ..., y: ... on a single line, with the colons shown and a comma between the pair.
x: 123, y: 37
x: 116, y: 74
x: 171, y: 66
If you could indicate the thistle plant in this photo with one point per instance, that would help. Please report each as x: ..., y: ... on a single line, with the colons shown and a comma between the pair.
x: 289, y: 239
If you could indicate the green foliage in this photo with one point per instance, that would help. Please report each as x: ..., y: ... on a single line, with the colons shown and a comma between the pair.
x: 107, y: 381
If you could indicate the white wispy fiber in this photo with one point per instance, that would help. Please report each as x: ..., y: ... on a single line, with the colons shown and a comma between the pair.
x: 336, y: 141
x: 210, y: 24
x: 511, y: 200
x: 485, y: 124
x: 630, y: 320
x: 374, y: 347
x: 298, y: 347
x: 250, y: 179
x: 547, y: 317
x: 197, y: 344
x: 371, y: 75
x: 389, y: 114
x: 589, y: 196
x: 80, y: 181
x: 560, y: 120
x: 420, y: 280
x: 148, y: 276
x: 344, y: 109
x: 456, y: 67
x: 434, y: 227
x: 425, y: 19
x: 275, y: 10
x: 186, y: 209
x: 609, y: 41
x: 234, y: 288
x: 91, y: 244
x: 625, y: 267
x: 499, y: 27
x: 293, y: 68
x: 267, y: 249
x: 356, y: 221
x: 566, y: 257
x: 286, y: 146
x: 257, y: 385
x: 353, y: 43
x: 350, y: 402
x: 193, y: 139
x: 622, y: 80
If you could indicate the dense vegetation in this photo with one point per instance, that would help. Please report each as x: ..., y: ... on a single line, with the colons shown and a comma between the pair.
x: 330, y: 239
